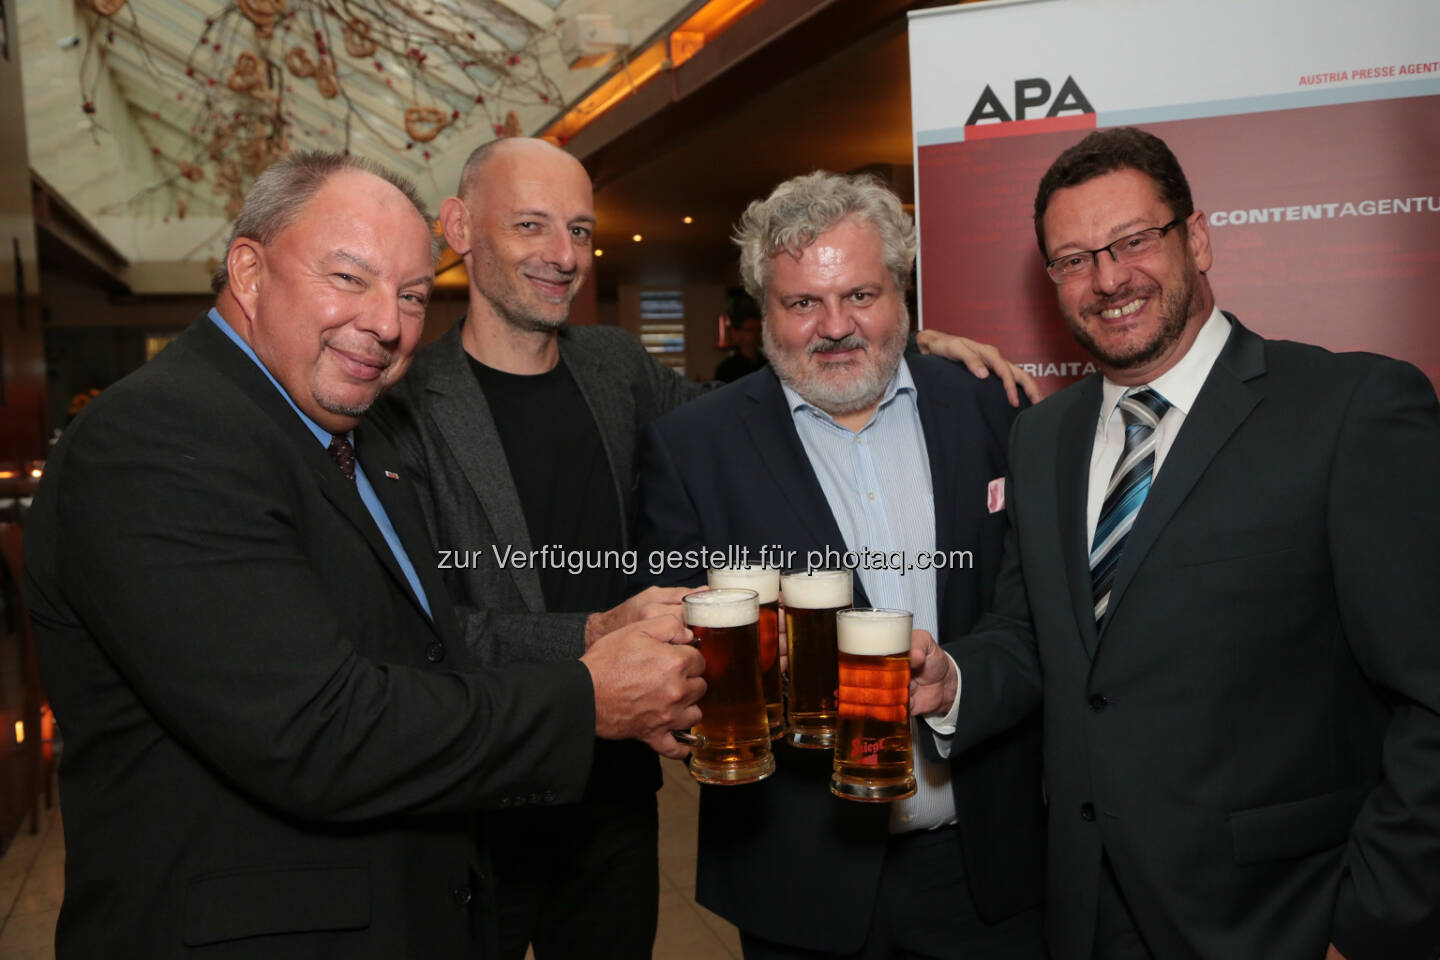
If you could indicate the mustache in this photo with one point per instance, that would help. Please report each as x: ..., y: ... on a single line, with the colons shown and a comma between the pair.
x: 851, y: 342
x: 1121, y: 297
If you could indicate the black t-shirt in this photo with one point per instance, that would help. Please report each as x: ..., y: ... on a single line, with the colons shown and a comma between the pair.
x: 563, y: 477
x: 567, y: 492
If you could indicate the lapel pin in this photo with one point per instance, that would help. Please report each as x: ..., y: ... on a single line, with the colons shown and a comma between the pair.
x: 391, y: 475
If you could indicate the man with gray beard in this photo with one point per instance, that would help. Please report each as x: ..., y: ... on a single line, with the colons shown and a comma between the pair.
x: 849, y: 444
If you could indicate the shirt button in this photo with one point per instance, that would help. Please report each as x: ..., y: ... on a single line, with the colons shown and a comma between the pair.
x: 462, y: 896
x: 435, y: 652
x: 871, y: 494
x: 1087, y: 812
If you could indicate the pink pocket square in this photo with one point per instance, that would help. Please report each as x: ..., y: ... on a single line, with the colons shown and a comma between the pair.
x: 995, y: 496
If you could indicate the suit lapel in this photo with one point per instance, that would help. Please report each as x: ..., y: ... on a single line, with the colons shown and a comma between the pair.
x: 942, y: 442
x: 772, y: 428
x: 381, y: 464
x: 212, y: 343
x: 614, y: 413
x: 463, y: 416
x: 1072, y: 479
x: 1224, y: 402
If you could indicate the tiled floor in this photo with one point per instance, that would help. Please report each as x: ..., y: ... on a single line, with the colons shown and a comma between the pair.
x: 32, y: 879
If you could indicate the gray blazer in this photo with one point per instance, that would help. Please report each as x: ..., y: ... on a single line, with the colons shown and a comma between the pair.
x: 439, y: 421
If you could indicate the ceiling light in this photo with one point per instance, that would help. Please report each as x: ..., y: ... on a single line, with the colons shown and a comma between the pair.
x: 687, y: 220
x: 637, y: 238
x: 599, y: 252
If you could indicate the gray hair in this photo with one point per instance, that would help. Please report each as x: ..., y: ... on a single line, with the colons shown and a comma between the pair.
x: 279, y: 195
x: 802, y: 208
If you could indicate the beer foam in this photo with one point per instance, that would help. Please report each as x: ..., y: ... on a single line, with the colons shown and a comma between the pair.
x: 763, y: 580
x: 821, y: 590
x: 721, y: 608
x: 872, y: 633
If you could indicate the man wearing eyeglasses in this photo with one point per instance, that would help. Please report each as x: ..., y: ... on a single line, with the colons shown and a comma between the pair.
x: 1220, y: 589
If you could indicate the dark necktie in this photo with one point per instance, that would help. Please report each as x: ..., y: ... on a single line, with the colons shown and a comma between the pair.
x: 1141, y: 409
x: 343, y: 454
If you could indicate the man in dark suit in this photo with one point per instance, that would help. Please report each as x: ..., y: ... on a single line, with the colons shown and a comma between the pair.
x: 275, y: 740
x: 844, y: 445
x: 1219, y: 587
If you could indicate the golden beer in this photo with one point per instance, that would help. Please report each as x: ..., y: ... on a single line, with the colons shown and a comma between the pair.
x: 811, y: 602
x: 765, y: 581
x: 873, y: 758
x: 731, y: 744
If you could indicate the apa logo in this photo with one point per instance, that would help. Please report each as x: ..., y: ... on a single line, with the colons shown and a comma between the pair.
x: 1029, y: 93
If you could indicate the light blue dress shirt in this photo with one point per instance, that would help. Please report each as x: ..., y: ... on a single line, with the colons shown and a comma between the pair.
x: 877, y: 483
x: 362, y: 482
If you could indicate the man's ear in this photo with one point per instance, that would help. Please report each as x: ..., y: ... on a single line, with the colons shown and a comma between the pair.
x: 455, y: 224
x: 1197, y: 234
x: 245, y: 262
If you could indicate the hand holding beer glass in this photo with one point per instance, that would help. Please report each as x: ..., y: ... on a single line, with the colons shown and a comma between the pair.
x: 765, y: 581
x: 811, y: 601
x: 731, y: 744
x: 873, y: 757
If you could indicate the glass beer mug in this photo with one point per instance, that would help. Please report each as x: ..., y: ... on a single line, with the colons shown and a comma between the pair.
x: 873, y: 755
x: 811, y: 601
x: 731, y: 743
x: 765, y: 581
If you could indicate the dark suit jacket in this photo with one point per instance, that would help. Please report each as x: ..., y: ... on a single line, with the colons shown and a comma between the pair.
x: 269, y: 748
x: 784, y: 859
x: 1254, y: 736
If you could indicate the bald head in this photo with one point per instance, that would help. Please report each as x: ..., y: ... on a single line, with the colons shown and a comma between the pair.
x: 517, y: 152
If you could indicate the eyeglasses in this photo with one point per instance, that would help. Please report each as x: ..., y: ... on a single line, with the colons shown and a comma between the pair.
x: 1080, y: 263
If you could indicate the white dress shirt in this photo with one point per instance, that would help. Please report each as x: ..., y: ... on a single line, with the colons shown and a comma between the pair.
x: 1180, y: 385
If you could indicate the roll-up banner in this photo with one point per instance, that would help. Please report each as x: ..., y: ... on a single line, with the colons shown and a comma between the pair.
x: 1309, y: 130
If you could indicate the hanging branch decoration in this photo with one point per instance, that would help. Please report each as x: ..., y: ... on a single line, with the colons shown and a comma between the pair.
x: 393, y: 73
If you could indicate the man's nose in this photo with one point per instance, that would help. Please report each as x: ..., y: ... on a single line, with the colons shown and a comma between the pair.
x: 1109, y: 274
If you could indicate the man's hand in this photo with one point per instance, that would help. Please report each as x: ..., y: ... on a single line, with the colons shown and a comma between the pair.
x: 647, y: 681
x: 1333, y: 954
x: 647, y: 604
x: 981, y: 358
x: 933, y: 680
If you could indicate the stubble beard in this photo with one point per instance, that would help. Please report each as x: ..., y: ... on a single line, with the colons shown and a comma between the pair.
x: 1174, y: 311
x: 833, y: 391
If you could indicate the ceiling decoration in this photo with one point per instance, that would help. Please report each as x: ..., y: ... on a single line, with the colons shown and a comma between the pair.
x: 220, y: 97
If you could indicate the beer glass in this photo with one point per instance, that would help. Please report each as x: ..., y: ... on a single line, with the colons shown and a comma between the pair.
x: 873, y: 759
x: 731, y: 744
x: 811, y: 600
x: 765, y: 581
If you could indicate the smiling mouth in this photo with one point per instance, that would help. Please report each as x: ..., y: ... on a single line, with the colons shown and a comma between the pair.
x: 1129, y: 309
x: 359, y: 366
x: 551, y: 287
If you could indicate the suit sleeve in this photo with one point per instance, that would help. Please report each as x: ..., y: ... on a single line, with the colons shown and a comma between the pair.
x: 998, y: 660
x: 187, y: 553
x: 668, y: 519
x: 660, y: 389
x: 1385, y: 552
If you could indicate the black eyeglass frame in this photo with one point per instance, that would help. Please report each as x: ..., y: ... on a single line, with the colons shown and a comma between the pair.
x: 1108, y: 248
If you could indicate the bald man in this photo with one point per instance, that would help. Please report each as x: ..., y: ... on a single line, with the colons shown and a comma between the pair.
x: 520, y: 432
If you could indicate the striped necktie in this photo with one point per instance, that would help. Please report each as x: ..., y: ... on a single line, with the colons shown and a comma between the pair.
x: 1141, y: 409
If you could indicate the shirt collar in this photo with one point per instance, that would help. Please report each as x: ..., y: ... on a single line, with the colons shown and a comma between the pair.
x: 1181, y: 384
x: 900, y: 382
x: 320, y: 432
